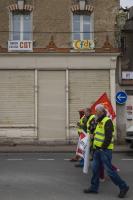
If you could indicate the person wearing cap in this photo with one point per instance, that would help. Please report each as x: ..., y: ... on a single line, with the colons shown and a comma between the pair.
x: 103, y: 145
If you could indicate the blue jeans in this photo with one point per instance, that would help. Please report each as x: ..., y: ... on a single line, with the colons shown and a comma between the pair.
x: 104, y: 157
x: 81, y: 162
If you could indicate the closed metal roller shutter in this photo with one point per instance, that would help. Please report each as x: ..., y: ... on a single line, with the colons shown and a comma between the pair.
x: 85, y: 86
x: 17, y: 98
x: 51, y: 114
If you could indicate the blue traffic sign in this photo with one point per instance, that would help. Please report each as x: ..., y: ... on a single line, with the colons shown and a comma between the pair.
x: 121, y: 97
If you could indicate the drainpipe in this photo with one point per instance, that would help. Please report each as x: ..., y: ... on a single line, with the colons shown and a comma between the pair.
x: 36, y: 102
x: 67, y: 107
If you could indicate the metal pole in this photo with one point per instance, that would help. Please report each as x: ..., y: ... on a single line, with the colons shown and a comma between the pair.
x: 36, y: 103
x: 67, y: 105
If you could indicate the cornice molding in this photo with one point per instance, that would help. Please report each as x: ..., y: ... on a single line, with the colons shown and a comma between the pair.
x: 15, y: 7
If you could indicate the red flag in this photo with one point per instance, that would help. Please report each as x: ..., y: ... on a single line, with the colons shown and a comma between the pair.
x: 103, y: 99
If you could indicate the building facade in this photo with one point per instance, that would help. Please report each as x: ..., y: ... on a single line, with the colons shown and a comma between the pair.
x: 56, y: 57
x: 125, y: 71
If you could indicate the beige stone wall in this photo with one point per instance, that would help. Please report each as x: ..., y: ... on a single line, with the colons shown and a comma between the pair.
x: 61, y: 21
x: 104, y: 20
x: 54, y: 18
x: 4, y: 26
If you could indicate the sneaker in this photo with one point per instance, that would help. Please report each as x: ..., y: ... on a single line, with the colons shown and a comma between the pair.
x: 79, y: 165
x: 123, y: 192
x: 74, y: 160
x: 89, y: 191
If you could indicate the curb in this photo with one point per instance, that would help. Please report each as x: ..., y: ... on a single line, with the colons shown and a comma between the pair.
x: 53, y: 149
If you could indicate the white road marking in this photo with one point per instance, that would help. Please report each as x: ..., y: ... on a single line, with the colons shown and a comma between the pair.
x: 128, y: 159
x: 45, y: 159
x: 12, y: 159
x: 49, y: 159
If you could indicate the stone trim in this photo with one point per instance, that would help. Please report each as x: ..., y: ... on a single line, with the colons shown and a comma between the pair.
x: 51, y: 47
x: 14, y: 7
x: 75, y: 8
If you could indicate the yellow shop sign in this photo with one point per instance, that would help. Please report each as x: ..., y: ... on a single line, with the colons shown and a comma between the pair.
x: 83, y: 44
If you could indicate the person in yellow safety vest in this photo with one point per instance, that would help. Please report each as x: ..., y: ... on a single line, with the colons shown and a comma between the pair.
x: 84, y: 123
x: 103, y: 145
x: 91, y: 125
x: 79, y: 123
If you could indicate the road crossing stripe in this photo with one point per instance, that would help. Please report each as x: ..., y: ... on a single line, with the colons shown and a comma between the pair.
x: 45, y: 159
x: 49, y: 159
x: 14, y: 159
x: 127, y: 159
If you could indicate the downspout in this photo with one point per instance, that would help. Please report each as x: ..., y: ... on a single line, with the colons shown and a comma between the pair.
x: 36, y: 102
x: 67, y: 107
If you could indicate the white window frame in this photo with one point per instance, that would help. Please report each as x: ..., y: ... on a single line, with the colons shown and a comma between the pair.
x: 81, y: 27
x: 21, y: 26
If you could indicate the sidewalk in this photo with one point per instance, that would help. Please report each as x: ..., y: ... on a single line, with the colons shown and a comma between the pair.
x: 51, y: 148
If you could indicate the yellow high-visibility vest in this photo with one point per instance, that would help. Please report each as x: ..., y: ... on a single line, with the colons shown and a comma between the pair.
x: 88, y: 123
x: 81, y: 122
x: 99, y: 134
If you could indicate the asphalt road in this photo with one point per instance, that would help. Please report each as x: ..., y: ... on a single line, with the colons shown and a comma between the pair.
x: 50, y: 176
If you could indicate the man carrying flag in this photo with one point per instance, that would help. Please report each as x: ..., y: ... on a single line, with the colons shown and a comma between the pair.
x: 103, y: 145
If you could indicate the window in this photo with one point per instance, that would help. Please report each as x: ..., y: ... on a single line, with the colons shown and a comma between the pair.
x: 21, y: 26
x: 82, y: 27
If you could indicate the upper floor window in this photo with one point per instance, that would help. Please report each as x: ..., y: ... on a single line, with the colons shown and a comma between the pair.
x: 82, y: 27
x: 21, y: 26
